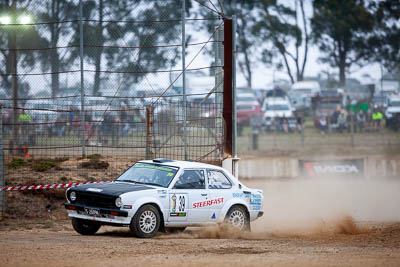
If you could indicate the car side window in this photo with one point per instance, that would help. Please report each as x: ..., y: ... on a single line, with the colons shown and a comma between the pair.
x: 218, y: 180
x: 191, y: 179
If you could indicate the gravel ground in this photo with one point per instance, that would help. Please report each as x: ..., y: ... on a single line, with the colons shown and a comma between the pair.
x: 306, y: 223
x: 379, y: 245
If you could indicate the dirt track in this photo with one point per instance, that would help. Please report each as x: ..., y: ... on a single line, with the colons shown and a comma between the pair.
x: 61, y: 246
x: 306, y: 223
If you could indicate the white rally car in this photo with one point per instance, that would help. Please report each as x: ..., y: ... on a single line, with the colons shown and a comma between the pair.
x: 164, y: 194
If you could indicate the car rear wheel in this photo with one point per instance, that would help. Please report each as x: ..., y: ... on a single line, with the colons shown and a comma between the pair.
x: 85, y: 227
x: 237, y: 218
x: 146, y: 222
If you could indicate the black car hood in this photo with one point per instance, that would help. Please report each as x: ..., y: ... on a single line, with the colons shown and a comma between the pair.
x: 110, y: 189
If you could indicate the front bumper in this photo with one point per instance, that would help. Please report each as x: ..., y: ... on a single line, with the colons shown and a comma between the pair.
x: 106, y: 215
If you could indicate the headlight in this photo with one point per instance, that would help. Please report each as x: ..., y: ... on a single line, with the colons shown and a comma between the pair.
x: 72, y: 196
x: 118, y: 202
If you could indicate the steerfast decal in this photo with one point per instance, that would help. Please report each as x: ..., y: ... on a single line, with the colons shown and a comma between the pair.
x: 315, y: 168
x: 208, y: 203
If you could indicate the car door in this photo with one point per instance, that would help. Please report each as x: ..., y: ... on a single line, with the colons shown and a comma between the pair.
x: 188, y: 198
x: 219, y: 188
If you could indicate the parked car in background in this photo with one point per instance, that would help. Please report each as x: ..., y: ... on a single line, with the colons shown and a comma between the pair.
x: 248, y: 110
x: 306, y: 88
x: 392, y: 113
x: 300, y: 103
x: 326, y: 103
x: 276, y: 109
x: 380, y: 100
x: 202, y: 110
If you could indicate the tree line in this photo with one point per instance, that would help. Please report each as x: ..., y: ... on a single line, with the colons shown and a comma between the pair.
x: 347, y: 32
x: 275, y: 33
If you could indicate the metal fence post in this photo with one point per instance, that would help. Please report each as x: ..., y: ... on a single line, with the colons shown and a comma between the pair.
x: 149, y: 124
x: 302, y: 130
x: 352, y: 128
x: 2, y: 183
x: 184, y: 79
x: 83, y: 134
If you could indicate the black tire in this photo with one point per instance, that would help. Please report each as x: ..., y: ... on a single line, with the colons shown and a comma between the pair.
x: 175, y: 230
x: 85, y: 227
x: 146, y: 222
x: 237, y: 218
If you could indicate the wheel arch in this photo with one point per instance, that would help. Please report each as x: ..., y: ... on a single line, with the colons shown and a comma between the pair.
x: 229, y: 205
x: 239, y: 205
x: 157, y: 206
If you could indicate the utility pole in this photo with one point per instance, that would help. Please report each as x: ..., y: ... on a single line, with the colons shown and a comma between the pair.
x: 14, y: 62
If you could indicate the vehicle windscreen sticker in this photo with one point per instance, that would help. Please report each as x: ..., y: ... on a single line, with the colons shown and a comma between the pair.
x: 149, y: 166
x: 178, y: 204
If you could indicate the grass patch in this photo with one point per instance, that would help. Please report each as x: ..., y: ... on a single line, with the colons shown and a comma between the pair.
x: 94, y: 164
x: 94, y: 156
x: 43, y: 165
x: 16, y: 163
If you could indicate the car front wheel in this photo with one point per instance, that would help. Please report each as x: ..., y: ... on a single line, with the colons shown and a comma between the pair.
x: 237, y: 218
x: 85, y: 227
x: 146, y: 222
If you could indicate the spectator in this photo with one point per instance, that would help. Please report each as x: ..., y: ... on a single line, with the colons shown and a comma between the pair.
x: 368, y: 120
x: 377, y: 117
x: 24, y: 120
x: 285, y: 125
x: 335, y: 115
x: 299, y: 123
x: 323, y: 125
x: 360, y: 121
x: 351, y: 120
x: 278, y: 125
x: 342, y: 121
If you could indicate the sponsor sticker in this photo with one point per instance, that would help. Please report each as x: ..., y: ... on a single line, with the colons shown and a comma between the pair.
x: 207, y: 203
x: 177, y: 214
x: 255, y: 199
x: 178, y: 205
x: 240, y: 195
x: 91, y: 189
x: 148, y: 166
x: 314, y: 168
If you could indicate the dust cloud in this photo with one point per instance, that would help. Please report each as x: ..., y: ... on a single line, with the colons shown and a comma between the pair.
x: 314, y: 208
x: 326, y: 206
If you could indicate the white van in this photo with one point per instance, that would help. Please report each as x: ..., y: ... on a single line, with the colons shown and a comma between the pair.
x: 306, y: 88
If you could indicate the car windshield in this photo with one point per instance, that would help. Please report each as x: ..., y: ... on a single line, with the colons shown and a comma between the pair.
x: 395, y: 103
x: 278, y: 107
x: 151, y: 174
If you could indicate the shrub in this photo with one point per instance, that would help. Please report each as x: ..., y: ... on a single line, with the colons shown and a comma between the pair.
x: 16, y: 163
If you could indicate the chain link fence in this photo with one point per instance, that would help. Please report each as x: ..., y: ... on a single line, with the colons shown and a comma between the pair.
x: 307, y: 134
x: 89, y: 87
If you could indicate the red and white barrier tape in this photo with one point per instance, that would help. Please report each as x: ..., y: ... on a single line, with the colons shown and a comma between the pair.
x: 47, y: 186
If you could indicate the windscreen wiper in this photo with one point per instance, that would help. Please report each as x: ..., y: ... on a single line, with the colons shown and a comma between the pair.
x: 128, y: 181
x: 149, y: 184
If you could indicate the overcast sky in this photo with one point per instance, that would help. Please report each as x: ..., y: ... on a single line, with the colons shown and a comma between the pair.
x: 262, y: 75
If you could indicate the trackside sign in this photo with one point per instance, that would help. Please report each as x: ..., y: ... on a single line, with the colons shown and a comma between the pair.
x: 315, y: 168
